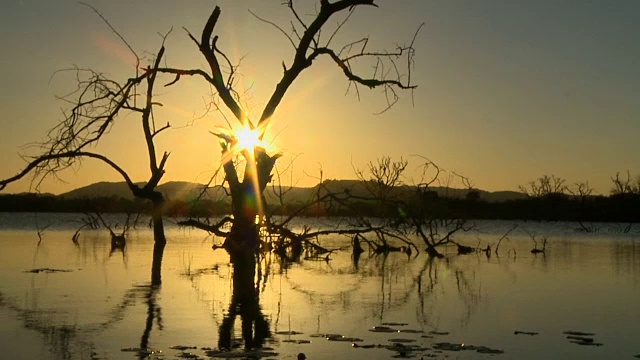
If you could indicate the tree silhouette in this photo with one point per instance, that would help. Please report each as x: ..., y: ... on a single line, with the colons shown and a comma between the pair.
x: 545, y: 186
x: 247, y: 194
x: 98, y: 101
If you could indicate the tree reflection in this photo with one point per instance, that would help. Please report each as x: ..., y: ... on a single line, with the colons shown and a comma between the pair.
x: 156, y: 264
x: 154, y: 314
x: 245, y: 302
x: 154, y: 311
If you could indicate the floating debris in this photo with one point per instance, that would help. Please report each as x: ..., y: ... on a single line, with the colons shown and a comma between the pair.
x: 402, y: 340
x: 580, y: 338
x: 405, y: 350
x: 288, y: 333
x: 486, y: 350
x: 182, y: 347
x: 46, y: 270
x: 448, y: 346
x: 398, y: 346
x: 578, y: 333
x: 586, y: 343
x: 142, y: 352
x: 384, y: 329
x: 463, y: 347
x: 402, y: 355
x: 188, y: 355
x: 297, y: 341
x: 344, y: 338
x: 438, y: 333
x: 237, y: 355
x: 321, y: 335
x: 530, y: 333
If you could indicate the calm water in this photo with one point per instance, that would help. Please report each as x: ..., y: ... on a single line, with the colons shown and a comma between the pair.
x: 102, y: 303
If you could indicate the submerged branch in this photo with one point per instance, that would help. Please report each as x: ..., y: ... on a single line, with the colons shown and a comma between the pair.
x: 214, y: 229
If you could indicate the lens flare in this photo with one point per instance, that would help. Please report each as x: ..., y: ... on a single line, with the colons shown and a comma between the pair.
x: 247, y: 139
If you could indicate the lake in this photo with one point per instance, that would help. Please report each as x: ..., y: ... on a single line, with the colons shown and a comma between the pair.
x: 59, y: 300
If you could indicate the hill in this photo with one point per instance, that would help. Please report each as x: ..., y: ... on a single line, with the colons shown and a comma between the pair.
x: 182, y: 190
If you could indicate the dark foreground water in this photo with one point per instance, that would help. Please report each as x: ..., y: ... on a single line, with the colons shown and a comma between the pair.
x: 85, y: 302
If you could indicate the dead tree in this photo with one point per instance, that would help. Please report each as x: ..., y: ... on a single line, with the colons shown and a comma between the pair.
x: 309, y: 43
x: 118, y: 241
x: 545, y: 186
x: 425, y: 216
x: 625, y: 187
x: 403, y: 214
x: 534, y: 238
x: 581, y: 192
x: 385, y: 177
x: 96, y: 104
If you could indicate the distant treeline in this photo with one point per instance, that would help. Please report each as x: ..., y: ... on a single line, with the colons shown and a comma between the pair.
x: 555, y: 207
x: 113, y: 204
x: 551, y: 207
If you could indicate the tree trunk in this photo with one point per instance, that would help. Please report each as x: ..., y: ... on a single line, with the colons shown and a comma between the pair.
x: 246, y: 203
x: 247, y: 198
x: 156, y: 264
x: 158, y: 224
x: 159, y: 241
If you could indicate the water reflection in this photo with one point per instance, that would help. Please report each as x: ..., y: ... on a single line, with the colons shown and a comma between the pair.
x: 116, y: 247
x: 245, y: 303
x: 63, y: 341
x: 626, y: 258
x: 240, y: 302
x: 154, y: 315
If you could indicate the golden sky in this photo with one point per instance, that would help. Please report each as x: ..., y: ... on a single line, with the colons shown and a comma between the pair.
x: 507, y: 90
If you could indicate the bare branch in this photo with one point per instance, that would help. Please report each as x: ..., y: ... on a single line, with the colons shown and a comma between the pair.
x: 371, y: 83
x: 340, y: 25
x: 208, y: 48
x: 137, y: 66
x: 114, y: 31
x: 300, y: 61
x: 156, y: 132
x: 48, y: 163
x: 275, y: 26
x: 148, y: 135
x: 214, y: 229
x: 295, y: 13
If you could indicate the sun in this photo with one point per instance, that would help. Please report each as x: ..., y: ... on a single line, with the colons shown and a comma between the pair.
x: 247, y: 138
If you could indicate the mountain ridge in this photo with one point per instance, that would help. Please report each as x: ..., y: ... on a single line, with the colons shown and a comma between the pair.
x: 184, y: 190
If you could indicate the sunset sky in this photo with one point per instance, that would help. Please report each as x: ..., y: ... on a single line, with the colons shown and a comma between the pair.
x: 508, y: 90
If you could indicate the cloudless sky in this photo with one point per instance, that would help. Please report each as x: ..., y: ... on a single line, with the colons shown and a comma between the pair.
x: 508, y: 90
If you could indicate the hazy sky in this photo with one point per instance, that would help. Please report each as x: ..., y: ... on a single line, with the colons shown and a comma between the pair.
x: 509, y: 90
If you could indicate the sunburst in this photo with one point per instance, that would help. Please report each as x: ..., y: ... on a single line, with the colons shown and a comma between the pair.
x: 247, y: 139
